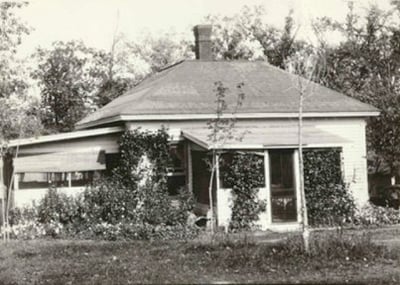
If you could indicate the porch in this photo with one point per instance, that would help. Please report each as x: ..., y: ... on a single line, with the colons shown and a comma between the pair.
x: 280, y: 190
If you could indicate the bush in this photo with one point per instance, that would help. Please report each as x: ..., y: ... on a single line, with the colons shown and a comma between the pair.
x: 388, y: 197
x: 131, y: 204
x: 328, y: 199
x: 57, y: 208
x: 376, y: 216
x: 245, y: 175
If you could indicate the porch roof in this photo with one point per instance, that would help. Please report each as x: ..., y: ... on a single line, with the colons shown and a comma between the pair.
x: 82, y: 160
x: 264, y: 137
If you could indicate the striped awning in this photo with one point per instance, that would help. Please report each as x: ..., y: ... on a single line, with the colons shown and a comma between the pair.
x: 264, y: 137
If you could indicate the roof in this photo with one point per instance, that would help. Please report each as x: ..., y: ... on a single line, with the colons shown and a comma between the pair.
x: 188, y: 89
x: 265, y: 137
x: 65, y: 136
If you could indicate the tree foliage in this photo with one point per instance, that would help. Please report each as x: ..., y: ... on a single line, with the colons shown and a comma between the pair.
x: 68, y: 82
x: 18, y: 109
x: 12, y: 30
x: 366, y: 66
x: 246, y: 35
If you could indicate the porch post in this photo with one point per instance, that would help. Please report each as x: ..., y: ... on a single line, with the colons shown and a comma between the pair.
x: 219, y: 200
x: 267, y: 190
x: 189, y: 167
x: 297, y: 185
x: 2, y: 195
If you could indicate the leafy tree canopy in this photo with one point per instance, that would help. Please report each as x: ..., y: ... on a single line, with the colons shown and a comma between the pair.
x: 366, y: 66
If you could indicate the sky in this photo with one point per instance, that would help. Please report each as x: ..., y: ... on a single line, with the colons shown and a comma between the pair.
x: 95, y: 21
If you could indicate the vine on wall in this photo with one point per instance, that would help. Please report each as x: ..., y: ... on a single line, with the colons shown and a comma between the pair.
x: 328, y: 199
x: 245, y: 175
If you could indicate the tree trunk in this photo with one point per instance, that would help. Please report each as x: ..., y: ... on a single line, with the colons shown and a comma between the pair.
x: 210, y: 194
x: 304, y: 215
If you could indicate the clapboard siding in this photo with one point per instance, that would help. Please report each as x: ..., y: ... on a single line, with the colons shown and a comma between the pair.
x: 352, y: 130
x: 108, y: 143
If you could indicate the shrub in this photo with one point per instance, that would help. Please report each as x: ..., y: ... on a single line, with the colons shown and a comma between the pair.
x: 376, y: 215
x: 23, y: 215
x: 328, y: 199
x: 57, y: 207
x: 131, y: 204
x: 245, y: 175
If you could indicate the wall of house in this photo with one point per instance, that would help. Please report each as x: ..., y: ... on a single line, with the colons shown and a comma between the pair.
x: 354, y: 162
x: 71, y: 148
x: 108, y: 143
x: 352, y: 130
x: 28, y: 197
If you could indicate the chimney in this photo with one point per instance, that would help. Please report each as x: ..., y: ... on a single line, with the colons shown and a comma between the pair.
x: 202, y: 34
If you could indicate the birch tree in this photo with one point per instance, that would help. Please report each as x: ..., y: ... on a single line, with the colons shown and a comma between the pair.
x: 307, y: 69
x: 222, y: 129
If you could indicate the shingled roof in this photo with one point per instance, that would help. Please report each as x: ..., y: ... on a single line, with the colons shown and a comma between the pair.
x: 188, y: 89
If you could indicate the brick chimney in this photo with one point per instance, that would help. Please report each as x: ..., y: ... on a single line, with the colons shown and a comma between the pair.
x: 202, y: 34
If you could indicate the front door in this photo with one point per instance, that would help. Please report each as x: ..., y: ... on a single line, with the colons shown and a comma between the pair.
x: 282, y: 186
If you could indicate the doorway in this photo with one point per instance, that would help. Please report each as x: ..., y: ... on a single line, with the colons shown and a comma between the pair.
x: 282, y: 186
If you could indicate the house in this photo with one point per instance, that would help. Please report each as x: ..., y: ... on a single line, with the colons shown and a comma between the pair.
x: 182, y: 98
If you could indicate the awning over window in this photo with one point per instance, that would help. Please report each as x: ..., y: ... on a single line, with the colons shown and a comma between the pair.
x: 264, y: 137
x: 92, y: 159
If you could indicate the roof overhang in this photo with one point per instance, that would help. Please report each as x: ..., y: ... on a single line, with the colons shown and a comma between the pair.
x: 264, y: 138
x: 65, y: 136
x: 188, y: 117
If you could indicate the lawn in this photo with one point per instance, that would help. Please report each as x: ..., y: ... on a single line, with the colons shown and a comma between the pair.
x: 219, y: 260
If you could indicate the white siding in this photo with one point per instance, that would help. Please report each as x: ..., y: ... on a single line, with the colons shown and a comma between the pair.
x: 352, y: 130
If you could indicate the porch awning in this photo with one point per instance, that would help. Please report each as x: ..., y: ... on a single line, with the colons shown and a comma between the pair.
x: 265, y: 137
x: 83, y: 160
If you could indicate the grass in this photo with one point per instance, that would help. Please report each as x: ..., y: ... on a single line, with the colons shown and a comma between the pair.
x: 351, y: 258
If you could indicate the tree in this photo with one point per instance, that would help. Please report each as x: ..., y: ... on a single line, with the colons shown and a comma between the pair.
x: 222, y: 129
x: 68, y: 82
x: 307, y: 69
x: 366, y: 66
x: 129, y: 62
x: 18, y: 112
x: 246, y: 35
x: 12, y: 30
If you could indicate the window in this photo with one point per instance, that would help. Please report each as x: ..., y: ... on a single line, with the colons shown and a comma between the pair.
x: 33, y: 180
x: 56, y: 179
x: 281, y: 170
x: 176, y: 169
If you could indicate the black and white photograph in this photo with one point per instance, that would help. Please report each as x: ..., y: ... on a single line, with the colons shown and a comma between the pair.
x: 199, y: 142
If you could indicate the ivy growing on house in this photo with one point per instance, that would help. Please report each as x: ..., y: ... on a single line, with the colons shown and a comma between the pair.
x: 244, y: 174
x: 328, y: 199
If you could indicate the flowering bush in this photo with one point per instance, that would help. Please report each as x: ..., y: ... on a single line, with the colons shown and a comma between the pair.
x: 57, y: 207
x: 376, y: 215
x: 131, y: 204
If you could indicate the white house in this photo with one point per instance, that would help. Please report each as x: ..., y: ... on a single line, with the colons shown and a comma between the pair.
x: 182, y: 98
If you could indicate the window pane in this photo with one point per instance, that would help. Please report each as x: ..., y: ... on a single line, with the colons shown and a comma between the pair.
x: 281, y: 168
x: 33, y: 180
x: 81, y: 178
x: 175, y: 183
x: 176, y: 153
x: 58, y: 179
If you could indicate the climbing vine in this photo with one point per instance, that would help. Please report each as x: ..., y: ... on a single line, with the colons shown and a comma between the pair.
x: 244, y: 174
x: 328, y: 199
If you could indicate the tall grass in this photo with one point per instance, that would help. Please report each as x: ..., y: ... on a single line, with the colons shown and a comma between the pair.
x: 327, y: 247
